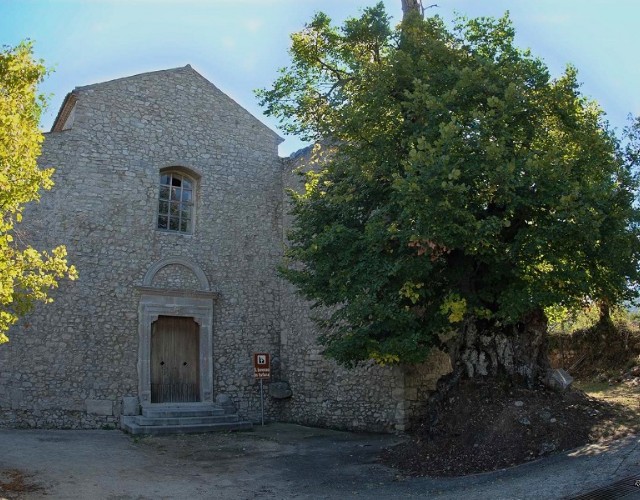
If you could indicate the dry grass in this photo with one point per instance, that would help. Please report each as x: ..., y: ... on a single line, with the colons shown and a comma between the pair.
x: 606, y: 365
x: 625, y: 394
x: 624, y: 398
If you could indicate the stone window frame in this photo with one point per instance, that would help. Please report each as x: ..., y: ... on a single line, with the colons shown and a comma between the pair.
x: 183, y: 174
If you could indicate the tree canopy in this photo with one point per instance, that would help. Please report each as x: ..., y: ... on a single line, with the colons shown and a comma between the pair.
x: 460, y: 181
x: 26, y: 275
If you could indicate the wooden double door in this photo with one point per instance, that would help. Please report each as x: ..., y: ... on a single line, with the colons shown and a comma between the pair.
x: 175, y: 355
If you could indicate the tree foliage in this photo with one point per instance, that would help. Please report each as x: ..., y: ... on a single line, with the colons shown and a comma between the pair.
x: 26, y: 275
x: 461, y: 181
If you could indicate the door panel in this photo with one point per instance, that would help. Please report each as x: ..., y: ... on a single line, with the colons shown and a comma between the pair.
x: 175, y: 376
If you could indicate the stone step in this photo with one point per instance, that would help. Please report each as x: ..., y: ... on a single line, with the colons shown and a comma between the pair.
x: 168, y: 411
x: 209, y: 419
x: 130, y: 425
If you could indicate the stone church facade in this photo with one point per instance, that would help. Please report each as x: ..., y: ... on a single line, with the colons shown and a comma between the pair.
x: 170, y: 199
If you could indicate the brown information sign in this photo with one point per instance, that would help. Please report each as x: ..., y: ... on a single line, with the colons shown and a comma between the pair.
x: 261, y: 366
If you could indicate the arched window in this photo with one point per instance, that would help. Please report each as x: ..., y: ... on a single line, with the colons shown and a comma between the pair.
x: 175, y: 202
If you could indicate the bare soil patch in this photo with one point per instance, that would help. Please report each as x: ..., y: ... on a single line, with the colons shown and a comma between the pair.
x: 488, y: 425
x: 16, y: 484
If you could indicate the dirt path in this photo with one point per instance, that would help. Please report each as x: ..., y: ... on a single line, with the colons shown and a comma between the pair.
x: 277, y: 461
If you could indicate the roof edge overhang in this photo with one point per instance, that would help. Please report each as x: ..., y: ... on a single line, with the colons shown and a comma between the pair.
x: 65, y: 111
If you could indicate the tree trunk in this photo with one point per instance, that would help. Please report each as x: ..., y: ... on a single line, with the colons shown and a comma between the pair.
x: 605, y: 323
x: 516, y: 351
x: 411, y: 6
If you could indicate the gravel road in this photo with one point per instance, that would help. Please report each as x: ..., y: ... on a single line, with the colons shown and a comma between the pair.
x: 275, y: 461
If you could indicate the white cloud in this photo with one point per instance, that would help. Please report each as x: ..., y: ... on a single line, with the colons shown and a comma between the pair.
x: 229, y: 42
x: 253, y: 25
x: 249, y: 62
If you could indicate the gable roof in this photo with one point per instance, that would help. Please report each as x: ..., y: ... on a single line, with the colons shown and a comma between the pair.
x: 72, y: 97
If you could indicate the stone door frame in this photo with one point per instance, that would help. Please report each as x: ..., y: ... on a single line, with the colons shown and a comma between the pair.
x: 191, y: 304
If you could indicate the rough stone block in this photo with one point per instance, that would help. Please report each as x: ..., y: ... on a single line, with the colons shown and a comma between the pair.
x: 223, y: 400
x: 558, y: 379
x: 17, y: 397
x: 280, y: 390
x: 397, y: 394
x: 130, y: 406
x: 99, y: 407
x: 411, y: 394
x: 226, y: 402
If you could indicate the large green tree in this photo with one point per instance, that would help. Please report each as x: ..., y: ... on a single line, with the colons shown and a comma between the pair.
x: 462, y: 191
x: 26, y: 275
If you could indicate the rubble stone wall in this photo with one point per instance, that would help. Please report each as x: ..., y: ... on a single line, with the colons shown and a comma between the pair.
x: 68, y: 364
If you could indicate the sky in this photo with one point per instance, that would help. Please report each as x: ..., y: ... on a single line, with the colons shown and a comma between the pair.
x: 240, y: 44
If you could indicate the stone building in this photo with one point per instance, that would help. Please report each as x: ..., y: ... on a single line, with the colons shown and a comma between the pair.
x: 170, y: 199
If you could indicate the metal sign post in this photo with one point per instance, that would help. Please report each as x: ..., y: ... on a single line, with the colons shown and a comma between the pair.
x: 261, y: 404
x: 261, y: 371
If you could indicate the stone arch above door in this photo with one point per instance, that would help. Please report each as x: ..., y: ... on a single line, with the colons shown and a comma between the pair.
x: 176, y: 273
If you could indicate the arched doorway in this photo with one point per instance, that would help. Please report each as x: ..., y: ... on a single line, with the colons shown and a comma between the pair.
x: 175, y: 327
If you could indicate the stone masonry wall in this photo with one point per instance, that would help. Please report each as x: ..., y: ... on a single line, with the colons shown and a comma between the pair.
x: 369, y: 397
x: 420, y: 381
x: 69, y: 363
